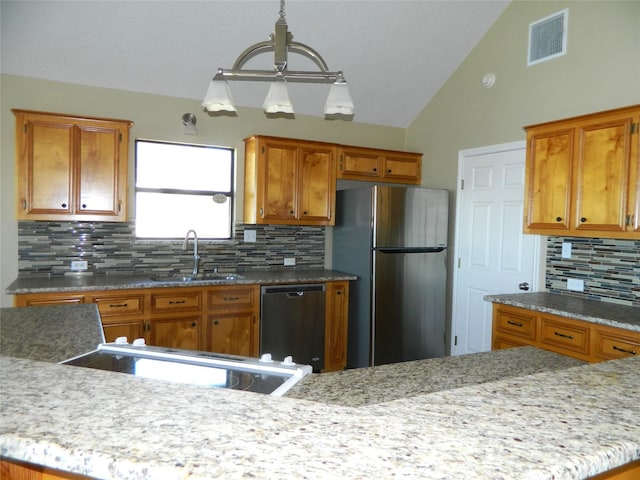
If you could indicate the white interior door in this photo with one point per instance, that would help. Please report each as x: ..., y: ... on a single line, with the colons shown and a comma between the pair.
x: 492, y: 255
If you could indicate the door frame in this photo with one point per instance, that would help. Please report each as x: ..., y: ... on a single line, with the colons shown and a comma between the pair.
x: 538, y: 281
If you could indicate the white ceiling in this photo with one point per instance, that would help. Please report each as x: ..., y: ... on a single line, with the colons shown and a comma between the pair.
x: 394, y: 54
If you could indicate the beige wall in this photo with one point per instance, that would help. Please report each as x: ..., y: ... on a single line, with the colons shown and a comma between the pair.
x: 156, y: 118
x: 600, y: 71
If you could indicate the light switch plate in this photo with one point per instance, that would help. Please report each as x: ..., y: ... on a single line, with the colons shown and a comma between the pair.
x: 250, y: 236
x: 289, y: 262
x: 79, y: 265
x: 566, y: 250
x: 575, y: 284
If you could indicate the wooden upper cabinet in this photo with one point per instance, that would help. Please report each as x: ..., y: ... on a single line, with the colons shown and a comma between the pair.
x: 289, y: 182
x: 548, y: 186
x: 71, y: 168
x: 582, y: 176
x: 359, y: 163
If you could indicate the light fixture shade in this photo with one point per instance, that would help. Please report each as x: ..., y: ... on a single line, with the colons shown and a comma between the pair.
x: 339, y: 100
x: 218, y: 96
x: 277, y: 100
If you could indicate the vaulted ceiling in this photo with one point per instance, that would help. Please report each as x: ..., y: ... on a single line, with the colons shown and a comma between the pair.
x: 395, y: 54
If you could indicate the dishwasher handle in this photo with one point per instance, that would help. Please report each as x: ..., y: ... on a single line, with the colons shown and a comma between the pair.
x: 292, y: 290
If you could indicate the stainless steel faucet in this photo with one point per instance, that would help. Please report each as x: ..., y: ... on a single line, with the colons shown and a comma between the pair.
x: 195, y: 249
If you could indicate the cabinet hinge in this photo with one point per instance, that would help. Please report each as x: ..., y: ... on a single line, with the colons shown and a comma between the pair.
x: 634, y: 128
x: 455, y: 341
x: 263, y: 150
x: 25, y: 128
x: 120, y: 137
x: 462, y: 184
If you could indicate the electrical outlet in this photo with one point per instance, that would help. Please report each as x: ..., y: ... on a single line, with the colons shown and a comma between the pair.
x: 250, y: 236
x: 79, y: 265
x: 289, y: 262
x: 566, y: 250
x: 575, y: 284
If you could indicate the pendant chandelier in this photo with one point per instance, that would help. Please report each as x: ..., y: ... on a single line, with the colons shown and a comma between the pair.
x: 280, y: 42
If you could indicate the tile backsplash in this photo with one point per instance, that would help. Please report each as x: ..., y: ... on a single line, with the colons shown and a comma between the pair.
x: 609, y: 268
x: 47, y: 248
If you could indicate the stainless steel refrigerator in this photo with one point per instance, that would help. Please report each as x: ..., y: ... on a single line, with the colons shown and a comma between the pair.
x: 395, y: 240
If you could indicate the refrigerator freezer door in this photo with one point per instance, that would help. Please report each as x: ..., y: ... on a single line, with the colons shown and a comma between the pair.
x: 410, y: 217
x: 409, y: 312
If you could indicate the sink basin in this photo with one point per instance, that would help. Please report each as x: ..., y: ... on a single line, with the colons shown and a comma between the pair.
x: 196, y: 278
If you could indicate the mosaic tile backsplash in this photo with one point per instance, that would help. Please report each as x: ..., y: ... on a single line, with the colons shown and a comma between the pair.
x: 610, y: 268
x: 47, y: 248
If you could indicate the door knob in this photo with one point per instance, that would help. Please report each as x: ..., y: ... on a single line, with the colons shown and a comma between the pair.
x: 523, y: 286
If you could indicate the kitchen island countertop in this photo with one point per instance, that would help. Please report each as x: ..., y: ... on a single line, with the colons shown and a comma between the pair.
x: 50, y: 333
x: 566, y: 424
x: 87, y: 283
x: 606, y: 313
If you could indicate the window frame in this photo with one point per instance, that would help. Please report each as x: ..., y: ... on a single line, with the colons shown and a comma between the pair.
x: 231, y: 194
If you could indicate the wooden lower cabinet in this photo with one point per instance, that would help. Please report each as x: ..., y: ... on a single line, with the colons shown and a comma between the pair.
x: 335, y: 331
x: 223, y: 319
x: 592, y: 342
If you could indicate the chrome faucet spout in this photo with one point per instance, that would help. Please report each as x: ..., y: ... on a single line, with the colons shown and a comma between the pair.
x: 195, y: 249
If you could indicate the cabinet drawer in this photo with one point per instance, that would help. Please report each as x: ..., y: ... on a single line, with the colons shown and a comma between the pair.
x: 120, y: 305
x: 520, y: 325
x: 567, y: 335
x: 610, y: 345
x: 176, y: 301
x: 233, y: 298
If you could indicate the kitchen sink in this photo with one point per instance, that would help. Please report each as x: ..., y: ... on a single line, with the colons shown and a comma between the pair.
x: 196, y: 278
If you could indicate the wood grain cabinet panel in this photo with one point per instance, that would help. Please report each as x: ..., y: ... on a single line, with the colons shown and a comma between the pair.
x: 610, y: 344
x: 289, y: 182
x: 582, y: 176
x: 71, y: 168
x: 368, y: 164
x: 336, y: 323
x: 565, y: 335
x: 592, y: 342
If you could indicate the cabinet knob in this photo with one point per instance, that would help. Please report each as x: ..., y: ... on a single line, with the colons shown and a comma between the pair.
x: 194, y: 324
x: 558, y: 219
x: 388, y: 170
x: 375, y: 169
x: 216, y: 322
x: 291, y: 212
x: 64, y: 205
x: 583, y: 219
x: 84, y: 205
x: 305, y: 212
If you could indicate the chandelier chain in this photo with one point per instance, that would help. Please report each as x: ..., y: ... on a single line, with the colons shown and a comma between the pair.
x: 282, y: 14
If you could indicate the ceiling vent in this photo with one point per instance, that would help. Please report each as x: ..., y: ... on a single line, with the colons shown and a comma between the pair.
x: 548, y: 38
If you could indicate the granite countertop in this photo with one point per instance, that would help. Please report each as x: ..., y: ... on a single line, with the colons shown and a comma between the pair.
x: 566, y: 424
x: 383, y: 383
x: 606, y: 313
x: 86, y: 283
x: 30, y: 332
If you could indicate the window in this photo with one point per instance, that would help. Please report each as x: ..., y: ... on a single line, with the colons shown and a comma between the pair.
x: 181, y: 187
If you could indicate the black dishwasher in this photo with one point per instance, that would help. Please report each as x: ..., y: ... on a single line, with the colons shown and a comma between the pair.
x: 292, y: 323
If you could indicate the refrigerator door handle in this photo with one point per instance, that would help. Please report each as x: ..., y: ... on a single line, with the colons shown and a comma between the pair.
x: 410, y: 250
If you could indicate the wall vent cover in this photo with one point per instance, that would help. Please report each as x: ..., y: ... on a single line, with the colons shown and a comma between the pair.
x: 548, y: 37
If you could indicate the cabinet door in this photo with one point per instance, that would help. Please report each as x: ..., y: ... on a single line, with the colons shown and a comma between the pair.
x: 233, y: 334
x: 402, y: 167
x: 336, y: 324
x: 548, y: 183
x: 278, y: 175
x: 177, y: 332
x: 602, y: 175
x: 359, y: 164
x: 44, y: 148
x: 317, y: 184
x: 130, y: 329
x: 99, y: 163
